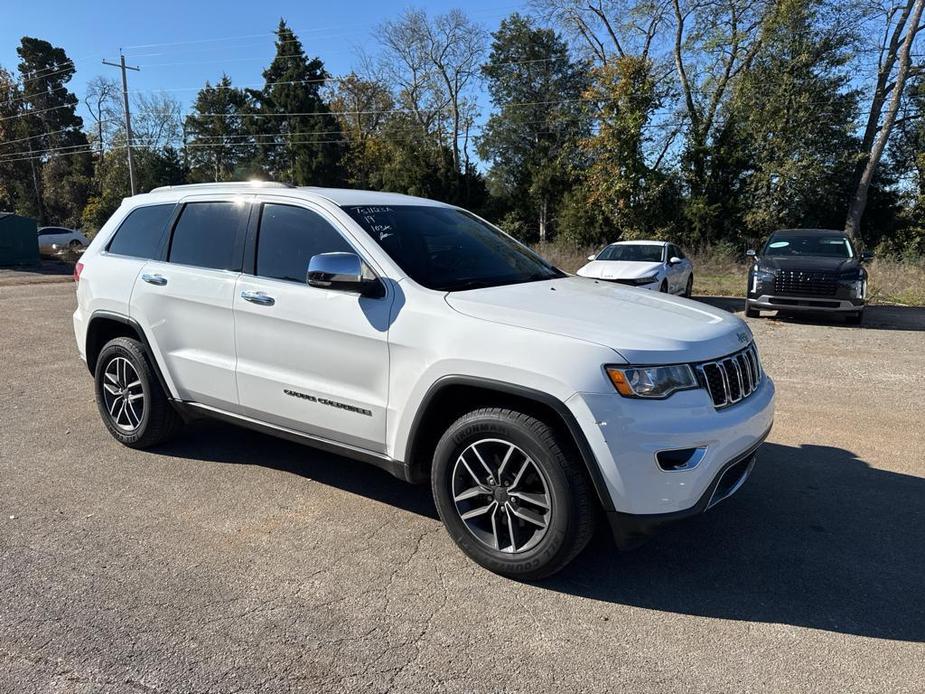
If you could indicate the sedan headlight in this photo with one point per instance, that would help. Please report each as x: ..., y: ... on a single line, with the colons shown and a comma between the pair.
x: 648, y: 279
x: 651, y: 381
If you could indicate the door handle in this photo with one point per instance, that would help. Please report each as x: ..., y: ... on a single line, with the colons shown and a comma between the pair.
x: 158, y: 280
x: 258, y: 298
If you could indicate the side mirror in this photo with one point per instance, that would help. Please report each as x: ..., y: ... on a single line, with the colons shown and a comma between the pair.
x: 344, y: 272
x: 674, y: 260
x: 867, y: 256
x: 750, y: 253
x: 592, y: 257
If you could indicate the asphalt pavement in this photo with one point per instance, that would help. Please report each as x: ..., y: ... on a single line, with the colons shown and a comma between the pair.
x: 228, y: 561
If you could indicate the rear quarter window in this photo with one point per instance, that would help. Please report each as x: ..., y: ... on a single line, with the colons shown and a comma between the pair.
x: 141, y: 234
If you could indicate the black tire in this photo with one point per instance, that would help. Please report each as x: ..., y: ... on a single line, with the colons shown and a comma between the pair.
x: 663, y: 287
x: 571, y: 513
x: 751, y: 312
x: 158, y: 421
x: 689, y: 289
x: 75, y: 244
x: 855, y: 318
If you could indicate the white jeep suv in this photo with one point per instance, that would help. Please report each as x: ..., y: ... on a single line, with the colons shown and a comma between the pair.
x: 416, y: 336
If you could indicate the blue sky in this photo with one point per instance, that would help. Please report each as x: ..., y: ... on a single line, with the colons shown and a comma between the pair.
x: 91, y: 31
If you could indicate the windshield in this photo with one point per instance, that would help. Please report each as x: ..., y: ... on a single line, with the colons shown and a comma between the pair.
x: 640, y: 252
x: 449, y: 249
x: 809, y: 244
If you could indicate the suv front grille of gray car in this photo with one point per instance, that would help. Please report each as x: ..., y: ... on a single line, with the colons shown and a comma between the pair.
x: 731, y: 379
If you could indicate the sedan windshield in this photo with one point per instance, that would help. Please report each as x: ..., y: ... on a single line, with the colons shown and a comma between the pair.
x: 808, y: 244
x: 449, y: 249
x: 638, y: 252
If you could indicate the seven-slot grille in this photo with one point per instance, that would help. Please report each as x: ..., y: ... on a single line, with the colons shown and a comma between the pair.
x: 732, y: 379
x: 794, y: 282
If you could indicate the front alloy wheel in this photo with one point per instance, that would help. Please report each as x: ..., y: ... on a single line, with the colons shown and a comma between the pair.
x: 502, y: 496
x: 512, y: 492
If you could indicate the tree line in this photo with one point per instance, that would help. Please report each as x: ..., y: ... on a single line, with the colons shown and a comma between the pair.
x: 701, y: 121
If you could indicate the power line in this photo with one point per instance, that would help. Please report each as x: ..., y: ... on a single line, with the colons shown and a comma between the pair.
x: 35, y: 113
x: 33, y: 137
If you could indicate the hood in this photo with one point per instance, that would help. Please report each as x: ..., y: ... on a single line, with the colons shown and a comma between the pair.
x: 643, y: 327
x: 807, y: 263
x: 618, y: 269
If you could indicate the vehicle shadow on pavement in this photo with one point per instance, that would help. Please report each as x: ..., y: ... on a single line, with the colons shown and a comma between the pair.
x: 816, y: 538
x: 217, y: 442
x: 876, y: 317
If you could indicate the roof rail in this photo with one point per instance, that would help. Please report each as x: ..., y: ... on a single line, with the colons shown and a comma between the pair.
x: 246, y: 185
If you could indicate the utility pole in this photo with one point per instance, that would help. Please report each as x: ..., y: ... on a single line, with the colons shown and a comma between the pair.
x: 128, y: 118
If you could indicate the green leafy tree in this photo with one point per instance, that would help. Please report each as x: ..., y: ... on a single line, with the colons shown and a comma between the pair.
x: 15, y: 189
x: 620, y: 186
x: 301, y: 139
x: 531, y: 138
x: 52, y: 134
x: 794, y: 117
x: 220, y: 142
x: 362, y: 107
x: 153, y: 168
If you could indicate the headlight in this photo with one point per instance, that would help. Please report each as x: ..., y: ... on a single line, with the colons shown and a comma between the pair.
x: 760, y: 275
x: 651, y: 381
x: 648, y: 279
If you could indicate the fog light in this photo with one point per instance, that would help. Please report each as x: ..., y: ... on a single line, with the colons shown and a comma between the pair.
x: 679, y: 459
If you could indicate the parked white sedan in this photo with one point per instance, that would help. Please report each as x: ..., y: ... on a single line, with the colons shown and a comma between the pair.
x: 656, y: 265
x: 61, y: 237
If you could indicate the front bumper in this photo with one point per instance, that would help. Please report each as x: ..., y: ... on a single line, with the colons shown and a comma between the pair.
x: 631, y: 530
x: 770, y: 302
x: 626, y: 435
x: 653, y: 285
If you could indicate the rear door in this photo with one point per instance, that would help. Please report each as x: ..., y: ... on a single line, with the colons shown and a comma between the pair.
x: 140, y: 236
x: 184, y: 299
x: 309, y: 359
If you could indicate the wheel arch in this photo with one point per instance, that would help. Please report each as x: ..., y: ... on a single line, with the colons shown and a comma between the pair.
x: 452, y: 396
x: 104, y: 326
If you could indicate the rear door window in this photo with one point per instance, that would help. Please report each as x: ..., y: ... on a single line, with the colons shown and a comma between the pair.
x: 141, y: 233
x: 289, y: 237
x: 209, y: 235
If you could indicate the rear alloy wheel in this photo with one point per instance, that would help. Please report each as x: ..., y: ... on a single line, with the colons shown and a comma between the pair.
x: 512, y: 495
x: 75, y: 245
x: 123, y: 396
x: 129, y: 396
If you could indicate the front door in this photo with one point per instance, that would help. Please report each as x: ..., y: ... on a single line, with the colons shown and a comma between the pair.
x: 309, y: 359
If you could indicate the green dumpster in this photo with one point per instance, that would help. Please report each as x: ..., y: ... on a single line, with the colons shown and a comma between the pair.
x: 19, y: 241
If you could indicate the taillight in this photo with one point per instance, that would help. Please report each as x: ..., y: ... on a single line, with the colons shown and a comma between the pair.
x: 78, y: 268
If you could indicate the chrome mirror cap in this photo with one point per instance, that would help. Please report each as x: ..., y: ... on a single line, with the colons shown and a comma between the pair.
x: 343, y: 272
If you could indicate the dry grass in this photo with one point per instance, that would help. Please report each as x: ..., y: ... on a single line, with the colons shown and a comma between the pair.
x: 719, y: 274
